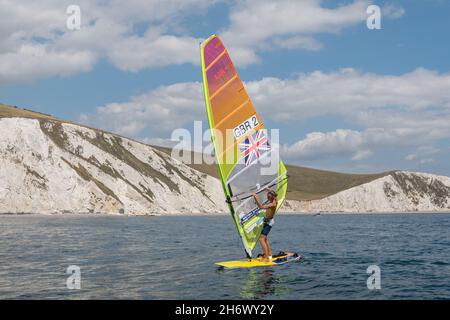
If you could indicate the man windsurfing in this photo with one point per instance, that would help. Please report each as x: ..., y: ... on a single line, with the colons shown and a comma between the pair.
x: 268, y: 221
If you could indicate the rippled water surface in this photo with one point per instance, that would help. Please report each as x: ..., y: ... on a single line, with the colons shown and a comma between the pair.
x: 173, y: 257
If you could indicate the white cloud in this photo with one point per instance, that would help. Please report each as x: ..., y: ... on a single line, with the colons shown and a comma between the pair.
x: 133, y: 36
x: 299, y: 42
x: 263, y: 24
x: 146, y: 34
x: 423, y: 154
x: 136, y: 53
x: 362, y: 154
x: 349, y: 92
x: 319, y: 144
x: 405, y: 111
x: 393, y: 10
x: 161, y: 110
x: 21, y: 21
x: 426, y: 161
x: 409, y: 110
x: 37, y: 61
x: 415, y: 105
x: 357, y: 145
x: 404, y: 116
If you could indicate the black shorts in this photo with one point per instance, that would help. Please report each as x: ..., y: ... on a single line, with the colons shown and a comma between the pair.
x: 266, y: 229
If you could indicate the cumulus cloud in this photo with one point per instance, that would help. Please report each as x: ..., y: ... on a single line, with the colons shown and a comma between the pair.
x: 423, y: 154
x: 146, y: 34
x: 297, y: 42
x: 36, y: 61
x: 161, y: 110
x: 293, y: 24
x: 393, y: 10
x: 349, y: 92
x: 136, y: 53
x: 357, y: 145
x: 362, y: 154
x: 405, y: 111
x: 138, y: 35
x: 425, y: 161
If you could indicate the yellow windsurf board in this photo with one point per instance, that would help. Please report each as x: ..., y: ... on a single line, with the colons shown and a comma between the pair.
x: 279, y: 259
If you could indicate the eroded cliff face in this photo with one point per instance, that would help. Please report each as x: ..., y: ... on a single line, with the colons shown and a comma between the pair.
x: 421, y: 189
x: 399, y: 191
x: 53, y: 167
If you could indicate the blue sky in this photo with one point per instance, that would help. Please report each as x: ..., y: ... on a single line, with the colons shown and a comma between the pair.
x: 345, y: 97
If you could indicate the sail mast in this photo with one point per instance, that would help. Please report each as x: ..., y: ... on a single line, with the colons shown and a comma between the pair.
x: 240, y: 142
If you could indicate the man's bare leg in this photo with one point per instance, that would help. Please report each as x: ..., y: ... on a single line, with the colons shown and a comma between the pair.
x: 269, y: 249
x: 262, y: 241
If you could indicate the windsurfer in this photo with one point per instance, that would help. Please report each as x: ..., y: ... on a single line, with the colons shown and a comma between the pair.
x: 270, y: 208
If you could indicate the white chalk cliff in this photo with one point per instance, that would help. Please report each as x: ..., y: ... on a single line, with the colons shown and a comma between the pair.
x: 399, y: 191
x: 48, y: 166
x: 52, y: 167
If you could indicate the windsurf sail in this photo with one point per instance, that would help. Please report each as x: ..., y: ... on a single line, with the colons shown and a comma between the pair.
x: 246, y: 161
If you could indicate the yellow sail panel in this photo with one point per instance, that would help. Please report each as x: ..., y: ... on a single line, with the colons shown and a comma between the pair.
x: 240, y: 142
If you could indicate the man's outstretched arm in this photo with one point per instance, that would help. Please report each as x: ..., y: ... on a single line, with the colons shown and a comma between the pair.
x: 262, y: 206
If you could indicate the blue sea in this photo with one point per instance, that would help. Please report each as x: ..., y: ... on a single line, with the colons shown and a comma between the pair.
x: 173, y: 257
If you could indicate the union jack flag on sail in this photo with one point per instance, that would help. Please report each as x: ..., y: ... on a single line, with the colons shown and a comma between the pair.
x: 254, y: 146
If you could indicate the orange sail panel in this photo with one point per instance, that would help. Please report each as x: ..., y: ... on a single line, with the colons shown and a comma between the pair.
x: 230, y: 103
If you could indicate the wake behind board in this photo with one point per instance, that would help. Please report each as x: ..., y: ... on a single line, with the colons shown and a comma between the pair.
x: 281, y: 258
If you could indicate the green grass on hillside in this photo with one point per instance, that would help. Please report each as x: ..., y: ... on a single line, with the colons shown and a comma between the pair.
x: 13, y: 112
x: 310, y: 184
